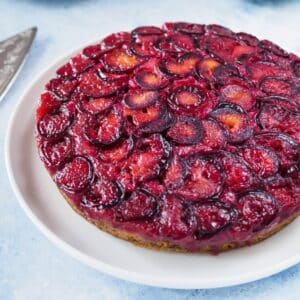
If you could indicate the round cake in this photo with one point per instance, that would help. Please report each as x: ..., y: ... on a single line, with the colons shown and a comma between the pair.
x: 185, y: 137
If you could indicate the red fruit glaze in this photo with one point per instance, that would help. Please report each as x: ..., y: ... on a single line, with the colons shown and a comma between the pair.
x: 187, y: 134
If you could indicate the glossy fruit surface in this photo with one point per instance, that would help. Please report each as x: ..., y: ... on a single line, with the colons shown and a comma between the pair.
x: 187, y: 134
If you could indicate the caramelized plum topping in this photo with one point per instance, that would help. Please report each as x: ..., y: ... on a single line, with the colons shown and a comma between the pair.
x: 262, y: 161
x: 120, y: 60
x: 238, y: 95
x: 149, y: 80
x: 102, y: 194
x: 212, y: 218
x: 207, y: 66
x: 185, y: 130
x: 286, y: 149
x: 175, y: 173
x: 106, y: 131
x: 176, y: 220
x: 239, y: 177
x: 141, y: 99
x: 235, y: 123
x: 53, y: 125
x: 204, y: 180
x: 257, y: 210
x: 183, y: 66
x: 76, y: 175
x: 118, y: 152
x: 139, y: 206
x: 55, y: 153
x: 187, y: 97
x: 277, y: 87
x: 189, y: 28
x: 186, y: 135
x: 62, y: 88
x: 96, y: 106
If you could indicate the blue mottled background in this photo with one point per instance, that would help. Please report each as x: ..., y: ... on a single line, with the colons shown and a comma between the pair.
x: 31, y: 268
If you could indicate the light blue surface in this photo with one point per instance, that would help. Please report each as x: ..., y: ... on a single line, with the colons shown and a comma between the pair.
x: 31, y: 268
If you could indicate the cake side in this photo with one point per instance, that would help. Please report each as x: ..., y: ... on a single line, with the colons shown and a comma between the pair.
x: 169, y: 246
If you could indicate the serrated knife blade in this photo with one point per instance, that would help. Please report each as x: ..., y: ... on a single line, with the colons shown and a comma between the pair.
x: 13, y: 52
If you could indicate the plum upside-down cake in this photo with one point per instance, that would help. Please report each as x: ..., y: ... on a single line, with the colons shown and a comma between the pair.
x: 185, y: 137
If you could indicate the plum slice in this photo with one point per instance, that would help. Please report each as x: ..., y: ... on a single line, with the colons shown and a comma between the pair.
x: 262, y: 161
x: 143, y: 49
x: 214, y: 136
x: 62, y: 88
x: 189, y: 28
x: 48, y: 103
x: 54, y: 124
x: 219, y: 30
x: 239, y: 177
x: 296, y: 67
x: 276, y: 118
x: 271, y: 116
x: 176, y: 219
x: 154, y: 187
x: 115, y: 40
x: 241, y: 52
x: 96, y: 106
x: 249, y: 39
x: 212, y: 218
x: 91, y: 85
x: 206, y: 67
x: 145, y: 162
x: 149, y: 155
x: 238, y: 95
x: 286, y: 149
x: 275, y: 49
x: 150, y: 80
x: 146, y: 31
x: 235, y: 123
x: 120, y: 60
x: 204, y: 179
x: 175, y: 172
x: 224, y: 74
x: 214, y: 139
x: 117, y: 152
x: 79, y: 64
x: 141, y: 99
x: 161, y: 124
x: 76, y: 175
x: 257, y: 210
x: 259, y: 70
x: 175, y: 43
x: 286, y: 103
x: 92, y: 51
x: 102, y: 194
x: 65, y: 70
x: 182, y: 66
x: 147, y: 115
x: 106, y: 131
x: 277, y: 86
x: 222, y: 48
x: 141, y: 205
x: 187, y: 97
x: 283, y: 190
x: 185, y: 130
x: 55, y: 153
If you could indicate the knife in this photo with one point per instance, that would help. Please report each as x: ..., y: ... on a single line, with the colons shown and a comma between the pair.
x: 13, y: 52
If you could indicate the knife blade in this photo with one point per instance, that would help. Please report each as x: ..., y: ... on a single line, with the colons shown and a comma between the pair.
x: 13, y: 52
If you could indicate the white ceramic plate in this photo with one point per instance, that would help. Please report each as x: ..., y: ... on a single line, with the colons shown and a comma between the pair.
x: 47, y: 209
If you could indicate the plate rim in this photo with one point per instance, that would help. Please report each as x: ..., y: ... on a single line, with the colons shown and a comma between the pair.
x: 96, y: 264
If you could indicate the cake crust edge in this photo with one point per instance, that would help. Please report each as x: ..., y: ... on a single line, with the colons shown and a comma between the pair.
x: 167, y: 246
